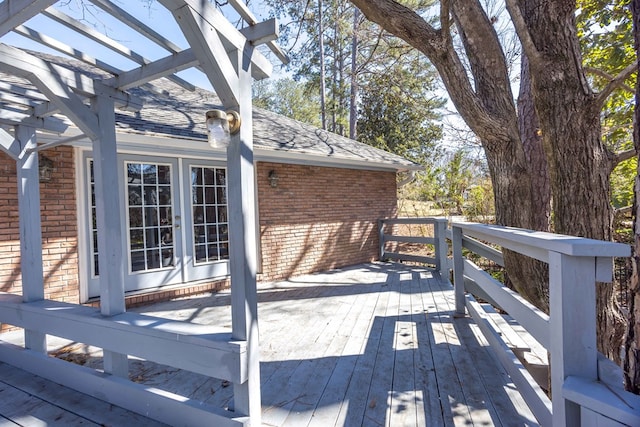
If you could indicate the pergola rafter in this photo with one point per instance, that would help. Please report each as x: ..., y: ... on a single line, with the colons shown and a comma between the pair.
x: 50, y: 98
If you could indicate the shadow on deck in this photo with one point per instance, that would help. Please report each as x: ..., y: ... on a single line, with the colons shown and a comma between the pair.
x: 375, y: 344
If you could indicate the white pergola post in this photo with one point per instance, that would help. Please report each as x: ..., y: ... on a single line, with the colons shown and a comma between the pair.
x: 109, y: 224
x: 243, y: 245
x: 30, y: 228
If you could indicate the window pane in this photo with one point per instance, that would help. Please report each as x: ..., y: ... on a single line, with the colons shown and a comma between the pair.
x: 164, y: 174
x: 135, y: 195
x: 135, y: 217
x: 153, y: 259
x: 149, y: 173
x: 164, y: 195
x: 137, y: 261
x: 137, y: 241
x: 151, y: 238
x: 150, y: 217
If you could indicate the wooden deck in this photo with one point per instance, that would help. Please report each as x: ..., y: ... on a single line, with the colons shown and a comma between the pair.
x: 371, y: 345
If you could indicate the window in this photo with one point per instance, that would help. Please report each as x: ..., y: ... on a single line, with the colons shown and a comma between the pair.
x: 209, y: 207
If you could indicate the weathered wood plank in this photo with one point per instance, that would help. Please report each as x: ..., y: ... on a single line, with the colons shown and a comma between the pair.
x: 353, y: 412
x: 18, y: 386
x: 379, y: 397
x: 426, y: 381
x: 403, y: 409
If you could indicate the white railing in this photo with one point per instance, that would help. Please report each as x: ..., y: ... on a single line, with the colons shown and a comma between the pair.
x: 581, y: 395
x: 386, y: 232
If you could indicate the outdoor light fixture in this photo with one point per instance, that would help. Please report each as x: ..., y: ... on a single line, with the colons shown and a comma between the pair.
x: 220, y: 126
x: 273, y: 178
x: 45, y: 168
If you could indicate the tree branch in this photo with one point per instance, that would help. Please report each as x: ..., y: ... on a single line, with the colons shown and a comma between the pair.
x: 445, y: 20
x: 535, y: 58
x: 601, y: 73
x: 615, y: 83
x: 618, y: 158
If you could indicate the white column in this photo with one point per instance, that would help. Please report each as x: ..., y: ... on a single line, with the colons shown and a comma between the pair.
x: 30, y: 229
x: 243, y: 247
x: 572, y: 322
x: 108, y: 202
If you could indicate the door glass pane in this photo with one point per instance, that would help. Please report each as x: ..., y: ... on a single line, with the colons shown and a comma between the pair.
x: 209, y: 207
x: 94, y: 227
x: 150, y: 217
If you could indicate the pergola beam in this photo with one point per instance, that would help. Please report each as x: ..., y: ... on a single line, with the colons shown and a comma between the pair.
x: 249, y: 17
x: 9, y: 145
x: 21, y: 64
x: 206, y: 43
x: 232, y: 38
x: 17, y: 12
x: 154, y: 70
x: 54, y: 44
x: 107, y: 42
x: 48, y: 124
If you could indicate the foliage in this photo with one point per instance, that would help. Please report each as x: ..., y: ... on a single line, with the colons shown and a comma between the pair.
x: 398, y: 111
x: 375, y: 55
x: 604, y: 27
x: 289, y: 98
x: 622, y: 179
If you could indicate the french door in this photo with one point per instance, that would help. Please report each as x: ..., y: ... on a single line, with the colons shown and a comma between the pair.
x: 174, y: 217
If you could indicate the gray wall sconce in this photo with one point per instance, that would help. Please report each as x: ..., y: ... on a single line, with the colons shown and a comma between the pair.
x: 273, y: 178
x: 45, y: 168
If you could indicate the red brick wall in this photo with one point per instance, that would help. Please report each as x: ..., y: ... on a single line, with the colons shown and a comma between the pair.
x: 59, y: 228
x: 319, y: 218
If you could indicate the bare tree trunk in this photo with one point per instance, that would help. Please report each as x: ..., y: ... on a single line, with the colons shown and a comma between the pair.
x: 323, y: 89
x: 632, y: 342
x: 579, y: 164
x: 531, y: 135
x: 353, y: 112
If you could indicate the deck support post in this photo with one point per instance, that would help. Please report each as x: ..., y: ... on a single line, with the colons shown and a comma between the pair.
x: 572, y: 310
x: 442, y: 249
x: 30, y: 228
x: 381, y: 238
x: 243, y: 246
x: 108, y: 200
x: 458, y: 271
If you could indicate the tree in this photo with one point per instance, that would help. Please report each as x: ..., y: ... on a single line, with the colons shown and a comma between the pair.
x: 398, y: 110
x: 632, y: 347
x: 567, y: 107
x: 285, y: 96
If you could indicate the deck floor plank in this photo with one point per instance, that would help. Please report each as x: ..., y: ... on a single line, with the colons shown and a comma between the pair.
x: 371, y: 345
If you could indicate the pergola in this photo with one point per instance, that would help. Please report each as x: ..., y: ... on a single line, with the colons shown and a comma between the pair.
x: 230, y: 60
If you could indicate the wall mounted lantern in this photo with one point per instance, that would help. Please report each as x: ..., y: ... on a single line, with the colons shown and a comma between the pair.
x: 273, y: 178
x: 220, y: 126
x: 45, y: 168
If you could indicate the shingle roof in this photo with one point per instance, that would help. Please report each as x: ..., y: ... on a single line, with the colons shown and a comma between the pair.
x: 170, y: 110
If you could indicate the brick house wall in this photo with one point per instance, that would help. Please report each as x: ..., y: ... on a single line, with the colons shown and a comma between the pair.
x: 319, y: 218
x: 59, y: 228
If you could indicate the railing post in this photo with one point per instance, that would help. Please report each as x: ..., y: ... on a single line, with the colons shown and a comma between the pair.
x: 381, y: 238
x: 572, y: 311
x: 458, y: 270
x: 442, y: 249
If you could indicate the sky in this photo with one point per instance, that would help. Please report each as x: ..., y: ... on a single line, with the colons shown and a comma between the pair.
x: 150, y: 13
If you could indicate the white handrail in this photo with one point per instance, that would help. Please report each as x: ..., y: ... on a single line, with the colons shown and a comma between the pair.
x: 575, y: 266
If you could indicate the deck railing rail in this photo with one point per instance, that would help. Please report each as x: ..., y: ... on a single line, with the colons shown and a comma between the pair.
x: 387, y: 229
x: 583, y: 392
